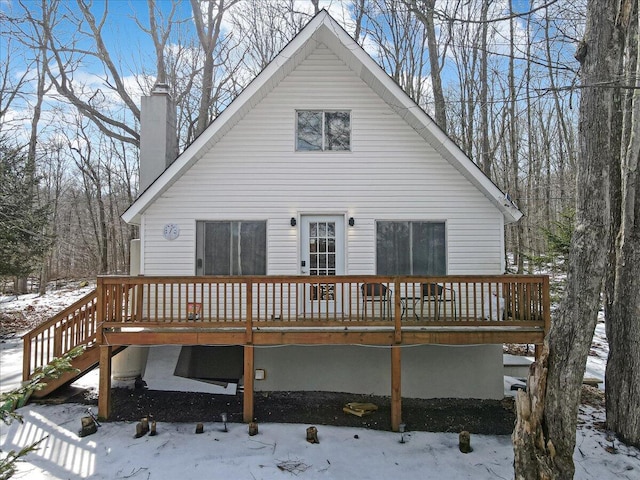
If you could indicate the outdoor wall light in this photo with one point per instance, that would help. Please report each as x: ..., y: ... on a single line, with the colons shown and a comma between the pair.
x: 293, y: 221
x: 352, y: 221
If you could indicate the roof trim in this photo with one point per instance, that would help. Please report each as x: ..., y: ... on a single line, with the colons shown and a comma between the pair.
x: 323, y: 28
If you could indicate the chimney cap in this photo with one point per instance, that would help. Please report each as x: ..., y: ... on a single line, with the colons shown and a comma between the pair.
x: 160, y: 89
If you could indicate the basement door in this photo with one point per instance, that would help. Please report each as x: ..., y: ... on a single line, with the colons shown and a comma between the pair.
x: 322, y: 254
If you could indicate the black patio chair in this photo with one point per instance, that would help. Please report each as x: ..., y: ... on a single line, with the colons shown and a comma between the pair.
x: 376, y: 296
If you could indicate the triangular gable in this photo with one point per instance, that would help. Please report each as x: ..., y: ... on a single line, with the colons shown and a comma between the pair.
x: 324, y: 29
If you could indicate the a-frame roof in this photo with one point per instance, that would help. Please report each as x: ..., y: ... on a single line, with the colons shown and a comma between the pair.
x: 323, y: 29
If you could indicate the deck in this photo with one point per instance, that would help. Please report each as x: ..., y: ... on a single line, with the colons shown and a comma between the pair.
x: 278, y: 310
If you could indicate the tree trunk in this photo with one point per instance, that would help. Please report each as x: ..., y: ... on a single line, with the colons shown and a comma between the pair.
x: 208, y: 34
x: 514, y: 134
x: 434, y: 63
x: 532, y: 457
x: 622, y: 378
x: 485, y: 159
x: 622, y: 388
x: 572, y: 330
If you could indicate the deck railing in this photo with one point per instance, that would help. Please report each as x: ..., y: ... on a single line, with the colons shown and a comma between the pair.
x: 208, y: 301
x: 75, y: 325
x: 295, y: 301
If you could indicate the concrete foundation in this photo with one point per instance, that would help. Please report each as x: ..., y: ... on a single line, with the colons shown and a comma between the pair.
x: 428, y: 371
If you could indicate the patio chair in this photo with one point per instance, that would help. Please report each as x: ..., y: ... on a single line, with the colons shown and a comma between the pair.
x: 376, y: 300
x: 432, y: 300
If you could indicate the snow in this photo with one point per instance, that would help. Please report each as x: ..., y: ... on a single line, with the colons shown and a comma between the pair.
x: 279, y: 450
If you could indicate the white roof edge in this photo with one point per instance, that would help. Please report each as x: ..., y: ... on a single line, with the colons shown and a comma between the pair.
x: 422, y: 122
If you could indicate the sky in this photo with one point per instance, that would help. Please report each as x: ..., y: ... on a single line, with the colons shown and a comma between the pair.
x: 133, y: 54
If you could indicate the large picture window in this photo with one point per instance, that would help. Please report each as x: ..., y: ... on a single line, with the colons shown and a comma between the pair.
x: 410, y: 248
x: 323, y: 130
x: 231, y: 248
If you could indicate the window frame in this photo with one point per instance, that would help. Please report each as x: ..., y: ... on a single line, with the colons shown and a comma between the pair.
x: 410, y: 248
x: 323, y: 146
x: 234, y: 226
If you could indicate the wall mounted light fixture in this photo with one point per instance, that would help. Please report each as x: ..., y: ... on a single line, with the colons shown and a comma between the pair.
x: 293, y: 221
x: 352, y: 222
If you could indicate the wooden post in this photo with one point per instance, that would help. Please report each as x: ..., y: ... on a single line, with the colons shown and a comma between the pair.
x: 100, y: 308
x: 139, y: 301
x: 397, y: 313
x: 26, y: 357
x: 249, y: 310
x: 247, y: 399
x: 396, y: 388
x: 57, y: 341
x: 104, y: 389
x: 104, y: 381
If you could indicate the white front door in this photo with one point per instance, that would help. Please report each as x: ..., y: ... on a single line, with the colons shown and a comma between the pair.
x: 322, y: 254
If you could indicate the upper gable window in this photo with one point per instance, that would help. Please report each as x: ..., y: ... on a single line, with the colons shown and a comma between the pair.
x: 323, y: 130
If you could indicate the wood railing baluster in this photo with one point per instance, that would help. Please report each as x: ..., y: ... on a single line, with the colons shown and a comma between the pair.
x: 472, y: 300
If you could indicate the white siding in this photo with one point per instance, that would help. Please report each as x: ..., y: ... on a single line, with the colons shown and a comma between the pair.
x: 390, y: 173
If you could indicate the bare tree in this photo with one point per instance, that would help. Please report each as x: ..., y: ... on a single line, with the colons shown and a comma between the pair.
x: 88, y: 162
x: 359, y: 10
x: 209, y: 28
x: 484, y: 154
x: 33, y: 104
x: 401, y: 43
x: 425, y: 12
x: 544, y: 438
x: 10, y: 85
x: 264, y: 29
x: 52, y: 170
x: 32, y: 152
x: 622, y: 382
x: 159, y: 30
x: 67, y: 58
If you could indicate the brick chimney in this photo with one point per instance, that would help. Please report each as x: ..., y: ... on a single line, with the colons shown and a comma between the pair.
x: 158, y: 136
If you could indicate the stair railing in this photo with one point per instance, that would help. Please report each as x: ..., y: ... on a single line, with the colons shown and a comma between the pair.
x: 75, y: 325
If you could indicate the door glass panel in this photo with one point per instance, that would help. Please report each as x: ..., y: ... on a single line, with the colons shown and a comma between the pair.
x: 322, y: 257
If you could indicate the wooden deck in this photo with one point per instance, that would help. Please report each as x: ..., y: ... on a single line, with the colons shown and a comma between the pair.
x: 272, y: 310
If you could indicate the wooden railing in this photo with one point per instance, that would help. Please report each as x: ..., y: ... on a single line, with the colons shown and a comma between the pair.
x: 294, y: 301
x: 75, y: 325
x: 209, y: 302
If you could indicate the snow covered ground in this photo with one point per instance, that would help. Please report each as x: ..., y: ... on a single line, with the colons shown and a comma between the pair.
x: 279, y: 450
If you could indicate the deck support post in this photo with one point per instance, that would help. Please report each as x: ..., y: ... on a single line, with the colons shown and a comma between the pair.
x: 247, y: 400
x: 104, y: 388
x: 396, y: 387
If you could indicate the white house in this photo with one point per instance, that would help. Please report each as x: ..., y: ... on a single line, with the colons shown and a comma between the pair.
x: 324, y: 166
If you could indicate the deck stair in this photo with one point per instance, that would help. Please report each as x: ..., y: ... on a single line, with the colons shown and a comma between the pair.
x: 75, y: 325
